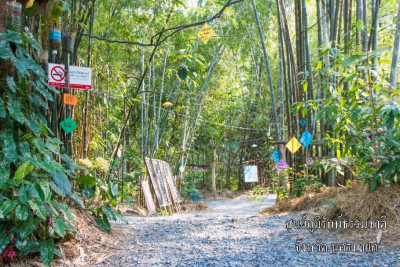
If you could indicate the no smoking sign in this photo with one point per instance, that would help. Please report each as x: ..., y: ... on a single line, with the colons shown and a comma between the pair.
x: 57, y: 73
x: 79, y: 77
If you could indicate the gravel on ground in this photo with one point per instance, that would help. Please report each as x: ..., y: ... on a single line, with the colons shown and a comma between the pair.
x: 234, y: 234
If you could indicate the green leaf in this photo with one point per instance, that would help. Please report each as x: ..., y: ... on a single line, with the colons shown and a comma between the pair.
x: 28, y: 246
x: 11, y: 84
x: 39, y: 144
x: 113, y: 189
x: 129, y: 200
x: 5, y: 240
x: 59, y: 227
x: 56, y: 189
x: 25, y: 149
x: 69, y: 227
x: 13, y: 107
x: 7, y: 207
x: 4, y: 169
x: 86, y: 180
x: 23, y: 194
x: 88, y: 192
x: 38, y: 208
x: 352, y: 60
x: 35, y: 99
x: 62, y: 181
x: 350, y: 78
x: 39, y: 87
x: 64, y: 209
x: 182, y: 73
x: 45, y: 190
x: 28, y: 226
x: 3, y: 187
x: 21, y: 213
x: 373, y: 185
x: 20, y: 65
x: 33, y: 125
x: 103, y: 222
x: 108, y: 211
x: 54, y: 149
x: 76, y: 200
x: 12, y: 36
x: 121, y: 217
x: 3, y: 112
x: 23, y: 170
x: 5, y: 52
x: 359, y: 24
x: 14, y: 182
x: 9, y: 147
x: 32, y: 40
x: 47, y: 251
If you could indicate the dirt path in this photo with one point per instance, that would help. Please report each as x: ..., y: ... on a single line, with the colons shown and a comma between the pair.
x: 232, y: 235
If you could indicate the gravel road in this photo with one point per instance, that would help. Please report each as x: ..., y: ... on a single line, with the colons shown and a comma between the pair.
x: 234, y: 235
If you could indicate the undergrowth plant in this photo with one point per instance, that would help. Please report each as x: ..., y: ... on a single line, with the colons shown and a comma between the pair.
x: 33, y: 184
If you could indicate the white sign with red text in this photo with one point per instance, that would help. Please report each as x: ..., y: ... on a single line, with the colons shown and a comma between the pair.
x: 79, y: 77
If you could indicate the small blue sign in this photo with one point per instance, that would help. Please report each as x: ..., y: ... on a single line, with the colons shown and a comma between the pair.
x: 303, y: 122
x: 275, y: 155
x: 306, y: 139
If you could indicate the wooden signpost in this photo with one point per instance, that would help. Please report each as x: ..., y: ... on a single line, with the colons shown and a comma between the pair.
x: 147, y: 196
x: 162, y: 184
x: 164, y: 190
x: 154, y: 182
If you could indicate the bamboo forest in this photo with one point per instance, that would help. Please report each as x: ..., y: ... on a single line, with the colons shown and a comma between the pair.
x: 199, y: 133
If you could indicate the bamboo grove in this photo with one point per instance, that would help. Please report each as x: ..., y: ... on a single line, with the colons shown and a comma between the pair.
x: 159, y: 91
x: 309, y: 59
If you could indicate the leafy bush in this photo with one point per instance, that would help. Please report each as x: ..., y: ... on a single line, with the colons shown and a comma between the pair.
x: 101, y: 192
x: 33, y: 184
x: 305, y: 183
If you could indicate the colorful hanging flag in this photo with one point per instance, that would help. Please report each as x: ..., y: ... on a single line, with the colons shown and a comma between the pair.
x: 303, y: 122
x: 293, y: 145
x: 306, y: 139
x: 68, y: 125
x: 275, y: 155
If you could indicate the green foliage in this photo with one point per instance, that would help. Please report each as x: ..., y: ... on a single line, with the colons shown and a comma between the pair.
x: 257, y: 193
x: 304, y: 183
x: 31, y: 178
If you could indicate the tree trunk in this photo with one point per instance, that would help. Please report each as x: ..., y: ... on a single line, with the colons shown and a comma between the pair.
x: 213, y: 172
x: 395, y: 54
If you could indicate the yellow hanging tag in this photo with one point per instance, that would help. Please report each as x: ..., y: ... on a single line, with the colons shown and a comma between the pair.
x: 29, y: 4
x: 293, y: 145
x: 167, y: 104
x: 205, y: 33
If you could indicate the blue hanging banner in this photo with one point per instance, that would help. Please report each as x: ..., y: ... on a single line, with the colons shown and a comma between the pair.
x: 306, y: 139
x: 275, y: 155
x: 303, y: 122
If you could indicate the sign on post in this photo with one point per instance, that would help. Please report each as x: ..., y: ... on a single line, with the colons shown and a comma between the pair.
x: 205, y: 33
x: 79, y: 77
x: 68, y: 125
x: 70, y: 99
x: 250, y: 173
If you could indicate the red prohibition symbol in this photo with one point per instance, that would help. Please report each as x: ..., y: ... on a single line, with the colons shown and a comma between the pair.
x: 57, y: 73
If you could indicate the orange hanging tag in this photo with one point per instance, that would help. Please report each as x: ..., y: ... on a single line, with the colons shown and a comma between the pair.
x: 70, y: 99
